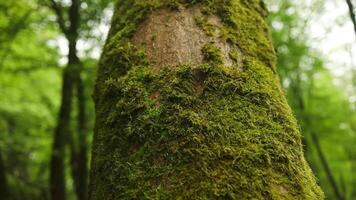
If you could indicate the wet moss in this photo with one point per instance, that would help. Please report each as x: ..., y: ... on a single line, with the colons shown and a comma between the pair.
x: 156, y: 137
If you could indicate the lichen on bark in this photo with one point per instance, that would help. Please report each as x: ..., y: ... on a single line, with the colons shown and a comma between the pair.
x: 197, y: 128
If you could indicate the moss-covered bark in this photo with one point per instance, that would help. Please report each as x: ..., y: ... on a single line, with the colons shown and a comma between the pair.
x: 196, y: 131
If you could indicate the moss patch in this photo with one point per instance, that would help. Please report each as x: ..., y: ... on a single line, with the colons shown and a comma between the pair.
x: 156, y: 137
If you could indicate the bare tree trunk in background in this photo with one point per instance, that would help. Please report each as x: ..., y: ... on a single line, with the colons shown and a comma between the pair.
x: 71, y: 80
x: 57, y: 176
x: 352, y: 13
x: 352, y: 155
x: 353, y: 20
x: 78, y: 145
x: 189, y: 106
x: 4, y: 190
x: 337, y: 192
x: 82, y: 156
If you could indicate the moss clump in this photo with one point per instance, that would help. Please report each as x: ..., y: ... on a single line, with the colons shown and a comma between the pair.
x: 212, y: 54
x: 203, y: 23
x: 156, y: 137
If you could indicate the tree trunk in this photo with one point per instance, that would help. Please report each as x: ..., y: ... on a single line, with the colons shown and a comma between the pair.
x: 79, y: 154
x: 337, y: 192
x: 71, y: 80
x: 4, y: 190
x: 78, y: 145
x: 57, y: 176
x: 189, y: 106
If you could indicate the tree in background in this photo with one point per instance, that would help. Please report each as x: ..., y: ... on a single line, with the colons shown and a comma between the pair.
x: 57, y: 179
x: 350, y: 150
x: 4, y: 188
x: 311, y: 92
x: 69, y: 20
x: 30, y: 92
x: 188, y: 105
x: 26, y: 104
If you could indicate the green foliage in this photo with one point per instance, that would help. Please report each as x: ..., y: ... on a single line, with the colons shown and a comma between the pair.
x: 27, y: 107
x: 27, y: 117
x: 30, y: 91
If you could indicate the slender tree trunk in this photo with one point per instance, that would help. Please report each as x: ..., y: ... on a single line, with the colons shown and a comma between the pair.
x: 78, y: 145
x: 314, y: 137
x: 353, y: 20
x: 352, y: 13
x: 82, y: 150
x: 62, y: 132
x: 80, y: 178
x: 189, y: 106
x: 4, y: 190
x: 79, y: 158
x: 72, y: 80
x: 57, y: 176
x: 337, y: 192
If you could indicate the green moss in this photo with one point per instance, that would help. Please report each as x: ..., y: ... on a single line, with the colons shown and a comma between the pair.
x: 156, y: 137
x: 212, y: 54
x: 203, y: 23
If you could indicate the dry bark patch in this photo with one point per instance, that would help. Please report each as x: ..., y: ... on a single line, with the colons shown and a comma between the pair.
x: 173, y: 38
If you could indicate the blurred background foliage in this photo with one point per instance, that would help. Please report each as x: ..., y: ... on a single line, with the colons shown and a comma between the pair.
x: 325, y: 110
x: 32, y: 58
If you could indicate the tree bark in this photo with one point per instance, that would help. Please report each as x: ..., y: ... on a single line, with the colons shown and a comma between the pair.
x: 353, y: 71
x: 337, y: 192
x: 79, y: 150
x: 57, y: 176
x: 78, y: 145
x: 189, y: 106
x: 352, y: 13
x: 4, y: 190
x: 70, y: 77
x: 80, y: 178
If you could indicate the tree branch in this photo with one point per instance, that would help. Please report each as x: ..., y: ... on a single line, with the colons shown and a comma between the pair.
x: 352, y: 13
x: 74, y: 18
x: 60, y: 18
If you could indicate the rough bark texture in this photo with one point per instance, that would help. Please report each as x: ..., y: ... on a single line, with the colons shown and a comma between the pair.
x: 194, y: 111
